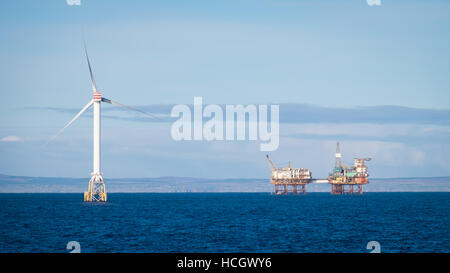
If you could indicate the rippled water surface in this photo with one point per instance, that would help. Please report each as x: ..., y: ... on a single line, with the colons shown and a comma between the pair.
x: 226, y: 222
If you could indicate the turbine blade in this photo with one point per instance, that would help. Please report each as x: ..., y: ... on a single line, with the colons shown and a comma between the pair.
x: 129, y: 108
x: 94, y: 86
x: 74, y: 118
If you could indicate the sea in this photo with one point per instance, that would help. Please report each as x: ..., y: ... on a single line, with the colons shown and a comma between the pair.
x: 226, y: 222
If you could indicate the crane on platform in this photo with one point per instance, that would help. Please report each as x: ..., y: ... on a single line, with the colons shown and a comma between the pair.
x: 363, y: 159
x: 271, y: 163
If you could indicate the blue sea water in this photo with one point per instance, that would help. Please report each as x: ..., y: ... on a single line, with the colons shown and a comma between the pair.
x: 226, y: 222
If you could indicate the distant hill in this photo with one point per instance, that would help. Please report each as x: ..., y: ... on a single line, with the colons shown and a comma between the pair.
x: 22, y: 184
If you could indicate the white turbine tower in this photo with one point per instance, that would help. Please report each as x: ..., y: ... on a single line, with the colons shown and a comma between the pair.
x: 97, y: 190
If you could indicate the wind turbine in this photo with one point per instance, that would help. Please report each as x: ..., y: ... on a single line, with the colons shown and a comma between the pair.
x: 97, y: 190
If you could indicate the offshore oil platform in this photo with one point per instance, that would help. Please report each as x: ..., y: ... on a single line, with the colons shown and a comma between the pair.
x: 343, y: 179
x: 289, y: 179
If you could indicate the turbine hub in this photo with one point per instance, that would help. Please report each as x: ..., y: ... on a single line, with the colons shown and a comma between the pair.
x: 97, y: 96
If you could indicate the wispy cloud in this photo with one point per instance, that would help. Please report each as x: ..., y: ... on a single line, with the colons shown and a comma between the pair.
x: 434, y: 137
x: 306, y: 113
x: 73, y: 2
x: 10, y: 139
x: 373, y: 2
x: 160, y: 112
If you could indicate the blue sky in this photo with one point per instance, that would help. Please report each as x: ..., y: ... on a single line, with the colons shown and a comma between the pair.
x: 326, y: 62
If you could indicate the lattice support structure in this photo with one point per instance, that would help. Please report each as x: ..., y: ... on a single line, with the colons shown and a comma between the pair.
x: 97, y: 190
x: 341, y: 189
x: 288, y: 188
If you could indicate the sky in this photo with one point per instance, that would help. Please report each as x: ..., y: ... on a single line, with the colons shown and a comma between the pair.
x: 375, y: 78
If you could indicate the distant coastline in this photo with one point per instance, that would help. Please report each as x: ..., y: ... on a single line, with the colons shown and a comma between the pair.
x: 26, y: 184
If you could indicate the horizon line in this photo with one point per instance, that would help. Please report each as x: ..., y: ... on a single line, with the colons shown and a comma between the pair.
x: 215, y: 178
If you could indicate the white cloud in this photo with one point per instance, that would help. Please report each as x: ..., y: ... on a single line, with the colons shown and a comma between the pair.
x: 73, y: 2
x: 10, y: 139
x: 373, y: 2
